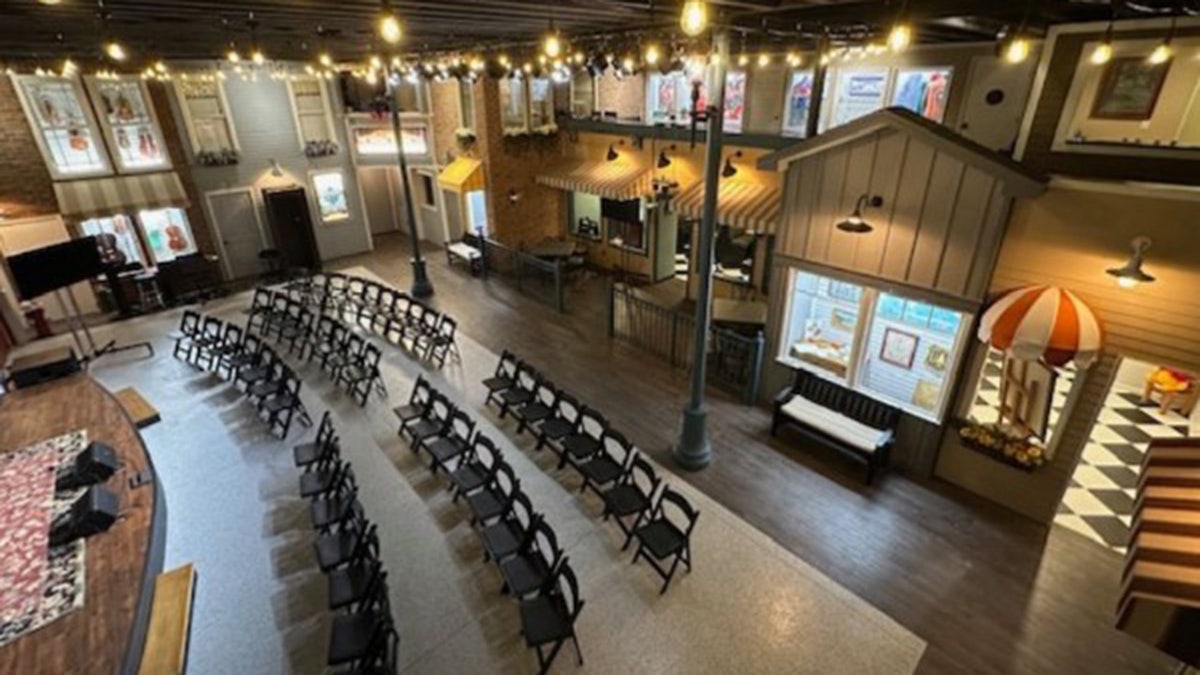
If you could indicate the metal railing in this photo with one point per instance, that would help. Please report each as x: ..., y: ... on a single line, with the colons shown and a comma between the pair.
x: 734, y: 360
x: 538, y: 278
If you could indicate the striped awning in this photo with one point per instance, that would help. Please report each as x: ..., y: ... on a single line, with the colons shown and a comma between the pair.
x: 742, y: 204
x: 1043, y: 323
x: 120, y: 194
x: 462, y: 175
x: 613, y: 180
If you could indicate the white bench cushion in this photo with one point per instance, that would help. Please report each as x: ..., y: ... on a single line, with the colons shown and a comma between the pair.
x: 845, y: 429
x: 463, y: 250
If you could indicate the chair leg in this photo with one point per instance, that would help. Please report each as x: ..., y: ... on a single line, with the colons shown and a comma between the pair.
x: 549, y: 660
x: 575, y: 642
x: 669, y: 575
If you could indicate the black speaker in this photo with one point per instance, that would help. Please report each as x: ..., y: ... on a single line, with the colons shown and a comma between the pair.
x: 92, y: 513
x: 94, y: 465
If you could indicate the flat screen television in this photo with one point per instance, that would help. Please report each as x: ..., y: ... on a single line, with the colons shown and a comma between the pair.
x: 628, y: 211
x: 42, y: 270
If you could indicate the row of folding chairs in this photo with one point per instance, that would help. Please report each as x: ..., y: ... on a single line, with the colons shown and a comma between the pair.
x: 523, y: 546
x: 346, y: 357
x: 363, y: 637
x: 385, y: 311
x: 238, y: 356
x: 645, y: 508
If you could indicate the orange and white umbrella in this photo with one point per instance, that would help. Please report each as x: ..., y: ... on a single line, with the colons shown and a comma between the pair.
x: 1043, y: 323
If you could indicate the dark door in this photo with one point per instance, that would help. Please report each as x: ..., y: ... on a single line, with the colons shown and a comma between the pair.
x: 291, y: 225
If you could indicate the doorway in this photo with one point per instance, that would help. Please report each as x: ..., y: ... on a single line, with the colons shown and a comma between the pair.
x: 381, y: 194
x: 995, y: 102
x: 1145, y: 401
x: 292, y: 228
x: 239, y: 231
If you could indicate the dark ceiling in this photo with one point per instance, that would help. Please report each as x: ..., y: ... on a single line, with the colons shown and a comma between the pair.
x: 203, y: 29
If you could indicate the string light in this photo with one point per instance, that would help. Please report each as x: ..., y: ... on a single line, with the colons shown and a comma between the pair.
x: 1017, y: 50
x: 258, y: 57
x: 764, y: 60
x: 652, y: 55
x: 115, y: 51
x: 900, y: 37
x: 552, y: 45
x: 325, y: 60
x: 694, y: 17
x: 389, y: 26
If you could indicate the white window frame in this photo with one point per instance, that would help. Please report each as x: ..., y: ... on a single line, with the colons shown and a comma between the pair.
x: 327, y: 110
x: 189, y: 123
x: 93, y: 84
x: 407, y: 121
x: 594, y: 104
x: 522, y: 82
x: 316, y: 196
x: 466, y: 89
x: 833, y: 77
x: 97, y: 135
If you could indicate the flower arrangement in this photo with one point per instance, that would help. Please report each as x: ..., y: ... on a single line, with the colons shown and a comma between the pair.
x: 464, y: 135
x: 545, y: 130
x: 314, y: 149
x: 225, y: 157
x: 1003, y: 444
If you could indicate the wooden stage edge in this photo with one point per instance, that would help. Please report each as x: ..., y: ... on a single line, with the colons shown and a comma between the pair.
x: 106, y: 634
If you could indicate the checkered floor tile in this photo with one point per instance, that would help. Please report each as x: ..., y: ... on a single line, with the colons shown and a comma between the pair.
x: 1099, y: 499
x: 986, y: 407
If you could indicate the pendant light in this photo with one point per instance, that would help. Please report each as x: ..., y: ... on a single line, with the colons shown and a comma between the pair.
x: 729, y: 170
x: 389, y: 26
x: 113, y: 49
x: 694, y: 17
x: 663, y: 160
x: 552, y: 44
x: 855, y: 223
x: 1131, y: 274
x: 1017, y: 50
x: 1163, y: 52
x: 612, y: 155
x: 1103, y: 52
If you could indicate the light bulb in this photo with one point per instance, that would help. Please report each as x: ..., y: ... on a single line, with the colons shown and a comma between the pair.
x: 1102, y: 54
x: 1127, y: 282
x: 325, y: 59
x: 764, y: 60
x: 389, y: 28
x: 257, y: 57
x: 900, y: 37
x: 1017, y: 51
x: 743, y: 60
x: 232, y: 56
x: 552, y: 47
x: 115, y: 51
x: 160, y: 66
x: 627, y: 64
x: 376, y: 63
x: 652, y: 55
x: 694, y: 18
x: 1161, y: 54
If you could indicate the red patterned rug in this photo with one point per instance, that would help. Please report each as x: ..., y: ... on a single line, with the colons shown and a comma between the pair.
x: 37, y: 583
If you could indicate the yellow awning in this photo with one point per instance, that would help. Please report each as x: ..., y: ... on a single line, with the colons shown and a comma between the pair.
x: 619, y: 179
x: 741, y: 204
x: 462, y: 175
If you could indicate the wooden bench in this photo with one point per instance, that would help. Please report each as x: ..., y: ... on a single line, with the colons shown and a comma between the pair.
x: 853, y: 424
x: 170, y: 622
x: 467, y: 250
x: 137, y: 407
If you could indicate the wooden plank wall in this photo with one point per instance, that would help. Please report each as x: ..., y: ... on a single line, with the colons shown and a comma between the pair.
x: 939, y: 227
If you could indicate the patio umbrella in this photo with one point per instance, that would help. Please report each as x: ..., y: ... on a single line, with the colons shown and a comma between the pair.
x: 1043, y: 323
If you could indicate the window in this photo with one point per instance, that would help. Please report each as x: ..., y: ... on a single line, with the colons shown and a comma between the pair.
x: 899, y: 350
x: 428, y: 191
x: 314, y: 120
x: 330, y: 189
x: 466, y: 105
x: 821, y: 324
x: 379, y: 140
x: 63, y: 125
x: 668, y: 98
x: 206, y: 115
x: 583, y: 95
x: 121, y: 227
x: 735, y: 100
x: 168, y: 233
x: 798, y: 102
x: 513, y: 104
x: 541, y: 103
x: 923, y: 91
x: 477, y: 212
x: 857, y: 93
x: 129, y: 123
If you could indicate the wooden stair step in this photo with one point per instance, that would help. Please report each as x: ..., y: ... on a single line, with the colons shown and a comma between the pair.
x: 170, y: 622
x: 1182, y: 522
x: 1169, y: 497
x: 1171, y: 549
x: 137, y: 407
x: 1177, y: 476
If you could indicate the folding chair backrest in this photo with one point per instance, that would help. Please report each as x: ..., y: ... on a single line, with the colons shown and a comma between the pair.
x: 429, y: 320
x: 546, y: 394
x: 292, y: 384
x: 527, y: 378
x: 371, y: 356
x: 306, y: 319
x: 447, y: 327
x: 542, y: 539
x: 353, y: 344
x: 261, y: 299
x: 354, y: 288
x: 568, y: 407
x: 252, y: 345
x: 294, y: 308
x: 507, y: 367
x: 370, y: 293
x: 232, y: 335
x: 415, y: 311
x: 568, y: 592
x: 592, y: 423
x: 461, y: 426
x: 440, y: 407
x: 325, y: 430
x: 387, y: 298
x: 212, y: 327
x: 617, y: 446
x: 337, y: 282
x: 504, y: 480
x: 521, y: 512
x: 280, y: 301
x: 401, y: 304
x: 643, y: 477
x: 421, y: 392
x: 338, y: 333
x: 325, y: 327
x: 676, y: 509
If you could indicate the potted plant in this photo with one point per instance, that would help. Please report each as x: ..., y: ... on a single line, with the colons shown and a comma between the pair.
x: 1003, y: 444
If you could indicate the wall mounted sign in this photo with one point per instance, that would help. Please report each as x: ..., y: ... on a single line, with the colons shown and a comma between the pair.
x: 1129, y: 89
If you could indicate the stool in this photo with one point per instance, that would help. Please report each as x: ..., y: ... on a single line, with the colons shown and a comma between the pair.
x: 149, y: 295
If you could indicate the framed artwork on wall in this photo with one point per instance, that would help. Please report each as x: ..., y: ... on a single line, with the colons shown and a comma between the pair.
x: 1129, y: 89
x: 899, y: 348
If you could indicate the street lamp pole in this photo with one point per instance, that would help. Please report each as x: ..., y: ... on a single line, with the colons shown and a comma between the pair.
x: 693, y: 450
x: 421, y: 287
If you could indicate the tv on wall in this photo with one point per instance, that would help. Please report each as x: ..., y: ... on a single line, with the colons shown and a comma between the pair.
x: 42, y: 270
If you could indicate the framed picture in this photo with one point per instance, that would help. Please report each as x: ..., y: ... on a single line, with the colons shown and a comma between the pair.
x: 1129, y: 89
x: 899, y: 348
x: 936, y: 357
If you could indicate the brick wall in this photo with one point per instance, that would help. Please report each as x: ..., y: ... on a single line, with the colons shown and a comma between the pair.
x: 443, y: 98
x: 512, y: 164
x: 626, y: 95
x: 174, y: 138
x: 25, y: 186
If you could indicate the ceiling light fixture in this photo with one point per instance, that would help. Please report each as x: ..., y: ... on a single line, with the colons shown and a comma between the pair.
x: 389, y: 26
x: 325, y: 60
x: 694, y: 17
x: 1017, y: 50
x: 115, y: 51
x: 1103, y: 52
x: 854, y: 223
x: 900, y: 37
x: 552, y: 45
x: 1163, y: 52
x: 652, y: 55
x: 1131, y: 274
x: 257, y: 56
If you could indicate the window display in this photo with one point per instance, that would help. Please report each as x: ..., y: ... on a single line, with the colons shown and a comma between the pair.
x: 466, y: 106
x: 124, y: 109
x: 381, y: 140
x: 735, y: 101
x: 923, y: 91
x: 541, y: 103
x: 206, y: 115
x: 477, y: 212
x: 121, y: 227
x: 513, y: 104
x: 799, y: 97
x: 857, y: 93
x: 63, y: 125
x: 330, y: 189
x: 668, y: 98
x: 314, y: 121
x: 168, y: 234
x: 822, y: 324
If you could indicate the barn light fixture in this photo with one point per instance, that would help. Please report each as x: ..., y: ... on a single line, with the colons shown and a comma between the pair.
x: 729, y: 170
x: 612, y: 155
x: 1131, y: 274
x: 389, y: 26
x: 854, y: 223
x: 694, y: 18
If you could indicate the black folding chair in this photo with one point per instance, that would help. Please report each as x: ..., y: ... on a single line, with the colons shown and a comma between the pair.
x: 667, y: 535
x: 322, y: 331
x: 368, y: 301
x: 356, y: 635
x: 606, y: 467
x: 276, y: 315
x: 452, y: 443
x: 584, y: 442
x: 562, y: 423
x: 247, y: 355
x: 189, y: 329
x: 503, y: 538
x: 523, y: 390
x: 493, y: 501
x: 295, y: 331
x: 258, y: 370
x: 324, y: 478
x: 442, y: 343
x: 418, y: 403
x: 632, y: 497
x: 502, y: 379
x: 549, y: 619
x: 475, y: 467
x: 430, y: 425
x: 321, y: 447
x: 362, y: 375
x: 330, y: 344
x: 381, y: 314
x: 284, y: 406
x: 545, y: 400
x: 341, y: 543
x: 208, y: 338
x: 352, y: 582
x: 425, y: 331
x: 336, y: 507
x: 269, y: 385
x: 347, y: 353
x: 260, y: 307
x: 534, y: 563
x: 208, y: 354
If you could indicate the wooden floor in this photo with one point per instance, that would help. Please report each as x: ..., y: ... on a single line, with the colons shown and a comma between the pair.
x: 990, y: 591
x: 93, y: 638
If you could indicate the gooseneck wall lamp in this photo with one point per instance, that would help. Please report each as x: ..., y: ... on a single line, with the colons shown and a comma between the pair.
x: 855, y: 223
x: 1131, y: 273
